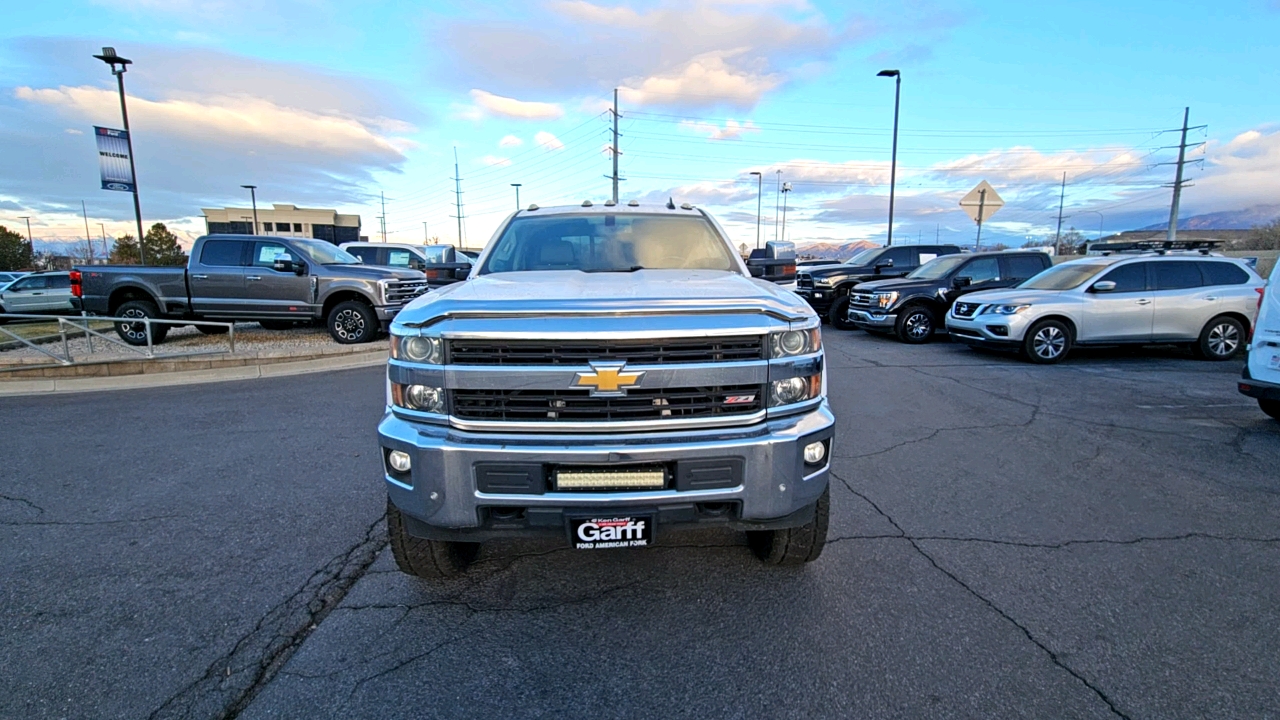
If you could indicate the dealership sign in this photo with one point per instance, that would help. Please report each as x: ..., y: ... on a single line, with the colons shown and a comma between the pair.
x: 113, y: 158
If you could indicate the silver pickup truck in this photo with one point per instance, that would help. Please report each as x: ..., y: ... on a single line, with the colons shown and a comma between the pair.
x: 606, y: 374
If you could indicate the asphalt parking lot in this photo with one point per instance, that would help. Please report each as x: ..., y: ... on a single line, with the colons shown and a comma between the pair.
x: 1094, y: 539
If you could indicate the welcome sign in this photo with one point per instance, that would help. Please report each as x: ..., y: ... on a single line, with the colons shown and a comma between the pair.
x: 113, y: 158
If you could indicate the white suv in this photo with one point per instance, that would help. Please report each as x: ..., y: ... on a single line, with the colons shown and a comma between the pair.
x: 1261, y: 378
x: 1207, y: 302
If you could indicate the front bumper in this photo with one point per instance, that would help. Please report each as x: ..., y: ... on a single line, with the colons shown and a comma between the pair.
x: 872, y: 321
x: 993, y: 331
x: 819, y: 298
x: 442, y: 499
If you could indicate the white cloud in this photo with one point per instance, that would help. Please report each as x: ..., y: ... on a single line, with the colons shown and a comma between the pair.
x: 706, y: 80
x: 510, y: 141
x: 1242, y: 172
x: 1022, y: 164
x: 853, y: 172
x: 243, y: 118
x: 519, y: 109
x: 731, y: 130
x: 73, y: 131
x: 495, y: 161
x: 723, y: 192
x: 548, y: 141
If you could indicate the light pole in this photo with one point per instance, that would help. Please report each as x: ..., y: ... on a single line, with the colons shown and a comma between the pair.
x: 29, y: 240
x: 759, y: 199
x: 109, y: 57
x: 786, y: 188
x: 893, y: 163
x: 517, y: 187
x: 1101, y: 220
x: 777, y: 202
x: 106, y: 250
x: 253, y: 197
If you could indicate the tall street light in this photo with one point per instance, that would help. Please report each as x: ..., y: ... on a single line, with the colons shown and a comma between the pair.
x: 786, y: 188
x: 1101, y: 219
x: 893, y: 164
x: 517, y: 187
x: 253, y: 197
x: 759, y: 199
x: 29, y: 240
x: 118, y: 67
x: 106, y: 249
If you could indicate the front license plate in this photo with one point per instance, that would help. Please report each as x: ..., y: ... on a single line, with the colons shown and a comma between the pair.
x: 611, y: 531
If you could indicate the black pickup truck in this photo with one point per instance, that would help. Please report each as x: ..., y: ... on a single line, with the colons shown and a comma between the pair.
x: 276, y: 281
x: 827, y: 287
x: 913, y: 307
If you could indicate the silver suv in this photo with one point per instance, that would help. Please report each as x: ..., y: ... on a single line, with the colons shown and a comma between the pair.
x: 1205, y: 301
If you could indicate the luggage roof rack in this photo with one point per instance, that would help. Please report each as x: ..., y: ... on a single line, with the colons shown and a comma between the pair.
x: 1159, y: 247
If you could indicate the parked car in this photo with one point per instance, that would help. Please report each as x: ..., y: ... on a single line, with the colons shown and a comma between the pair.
x: 441, y: 264
x: 40, y: 293
x: 8, y: 277
x: 1205, y: 302
x: 826, y: 287
x: 913, y: 307
x: 276, y: 281
x: 1261, y: 376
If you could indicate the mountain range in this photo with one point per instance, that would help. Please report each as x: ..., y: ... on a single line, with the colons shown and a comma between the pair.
x: 1226, y: 220
x: 831, y: 250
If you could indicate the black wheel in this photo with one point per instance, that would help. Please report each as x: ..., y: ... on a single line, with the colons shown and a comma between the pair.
x: 1047, y: 342
x: 1221, y: 339
x: 430, y: 559
x: 915, y: 325
x: 794, y: 546
x: 277, y: 324
x: 839, y: 314
x: 211, y: 330
x: 1270, y: 407
x: 352, y: 322
x: 135, y: 333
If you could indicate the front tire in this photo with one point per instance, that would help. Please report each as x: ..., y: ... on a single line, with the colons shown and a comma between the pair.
x: 838, y: 315
x: 352, y: 322
x: 1221, y: 339
x: 1047, y: 342
x: 915, y: 325
x: 427, y: 559
x: 1270, y: 407
x: 135, y: 333
x: 794, y: 546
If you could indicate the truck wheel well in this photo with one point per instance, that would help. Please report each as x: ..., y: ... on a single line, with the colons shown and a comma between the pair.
x: 120, y: 296
x: 341, y: 297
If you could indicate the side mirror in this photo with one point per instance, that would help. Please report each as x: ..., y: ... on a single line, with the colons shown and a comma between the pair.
x: 1103, y: 286
x: 283, y: 263
x: 963, y: 281
x: 756, y: 270
x: 887, y: 262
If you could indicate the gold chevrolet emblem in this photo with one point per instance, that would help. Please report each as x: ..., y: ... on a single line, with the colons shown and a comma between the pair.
x: 607, y: 379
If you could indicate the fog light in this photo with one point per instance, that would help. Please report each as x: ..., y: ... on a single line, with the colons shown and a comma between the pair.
x: 814, y: 453
x: 400, y: 461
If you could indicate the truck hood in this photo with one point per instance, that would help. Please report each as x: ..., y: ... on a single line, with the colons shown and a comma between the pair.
x: 542, y: 293
x: 899, y: 284
x: 371, y: 272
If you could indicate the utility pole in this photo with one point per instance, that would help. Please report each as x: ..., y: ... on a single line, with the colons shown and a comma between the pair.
x: 106, y: 249
x: 426, y: 236
x: 88, y: 239
x: 383, y: 217
x: 30, y: 242
x: 1057, y: 236
x: 615, y: 146
x: 457, y: 189
x: 1178, y: 182
x: 777, y: 202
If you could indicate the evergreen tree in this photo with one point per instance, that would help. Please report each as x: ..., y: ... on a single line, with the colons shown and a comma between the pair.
x: 162, y: 247
x: 125, y: 251
x: 15, y: 251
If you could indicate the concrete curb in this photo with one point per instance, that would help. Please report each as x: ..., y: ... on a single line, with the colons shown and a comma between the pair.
x: 46, y: 386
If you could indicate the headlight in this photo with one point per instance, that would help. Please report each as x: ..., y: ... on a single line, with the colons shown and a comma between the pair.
x: 794, y: 390
x: 418, y: 348
x: 886, y: 300
x: 794, y: 342
x: 822, y: 282
x: 1007, y: 309
x: 423, y: 398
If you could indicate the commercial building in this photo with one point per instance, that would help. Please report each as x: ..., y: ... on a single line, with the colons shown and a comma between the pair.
x: 284, y: 221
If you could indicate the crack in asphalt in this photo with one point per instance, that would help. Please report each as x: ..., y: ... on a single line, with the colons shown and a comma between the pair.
x: 24, y: 501
x: 231, y: 682
x: 1053, y: 656
x: 82, y: 523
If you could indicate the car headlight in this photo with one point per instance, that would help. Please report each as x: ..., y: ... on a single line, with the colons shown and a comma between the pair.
x: 794, y: 342
x: 422, y: 398
x: 418, y: 348
x: 886, y: 299
x: 1007, y: 309
x: 794, y: 390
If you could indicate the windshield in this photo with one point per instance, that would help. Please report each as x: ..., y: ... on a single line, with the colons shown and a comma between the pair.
x: 1064, y: 277
x: 609, y: 243
x: 937, y: 267
x: 863, y: 257
x: 323, y: 253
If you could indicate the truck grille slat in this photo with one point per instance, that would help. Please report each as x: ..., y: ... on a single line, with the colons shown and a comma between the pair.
x: 860, y: 299
x: 400, y: 292
x: 640, y: 404
x: 637, y: 352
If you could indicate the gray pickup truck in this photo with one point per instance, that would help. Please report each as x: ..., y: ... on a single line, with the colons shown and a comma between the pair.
x: 606, y: 375
x: 276, y: 281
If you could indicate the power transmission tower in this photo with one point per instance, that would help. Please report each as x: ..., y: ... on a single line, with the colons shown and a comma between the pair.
x: 383, y: 217
x: 1178, y: 182
x: 457, y: 189
x: 614, y: 151
x: 1057, y: 236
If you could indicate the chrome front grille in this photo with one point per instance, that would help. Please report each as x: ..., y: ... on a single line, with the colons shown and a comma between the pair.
x: 804, y: 280
x: 860, y: 299
x: 636, y: 352
x: 966, y: 310
x: 578, y: 405
x: 400, y: 292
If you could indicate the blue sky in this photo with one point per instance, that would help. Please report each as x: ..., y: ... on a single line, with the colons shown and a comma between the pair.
x: 324, y: 103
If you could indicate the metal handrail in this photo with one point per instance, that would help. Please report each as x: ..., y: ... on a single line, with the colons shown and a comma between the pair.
x: 81, y: 323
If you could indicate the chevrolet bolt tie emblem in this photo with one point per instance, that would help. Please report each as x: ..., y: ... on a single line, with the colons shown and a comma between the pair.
x: 607, y: 379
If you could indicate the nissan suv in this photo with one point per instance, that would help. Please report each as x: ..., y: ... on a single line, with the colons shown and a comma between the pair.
x: 826, y: 287
x: 913, y: 307
x: 1205, y: 302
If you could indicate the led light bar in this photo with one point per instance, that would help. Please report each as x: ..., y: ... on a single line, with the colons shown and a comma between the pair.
x: 610, y: 479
